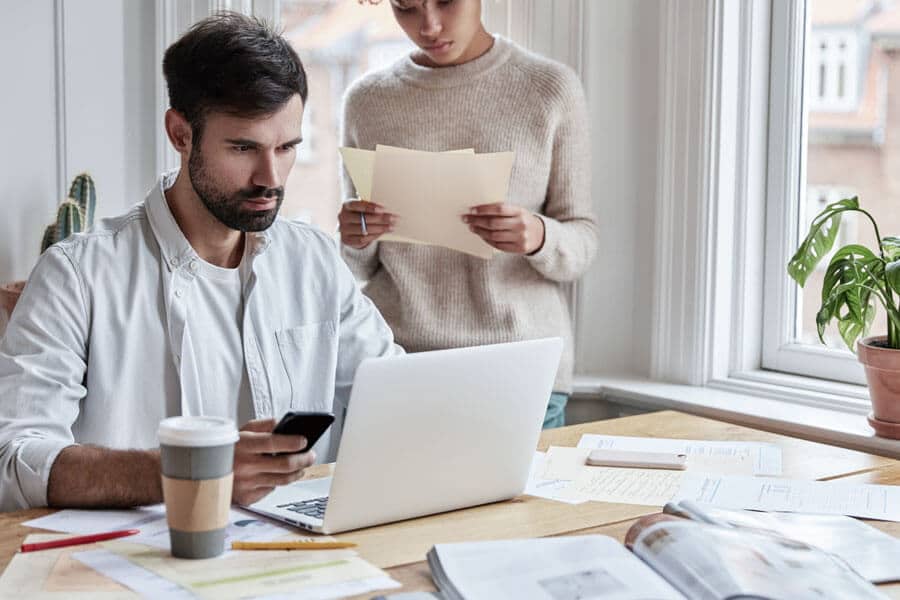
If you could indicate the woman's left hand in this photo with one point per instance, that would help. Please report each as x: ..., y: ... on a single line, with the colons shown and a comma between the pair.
x: 507, y: 227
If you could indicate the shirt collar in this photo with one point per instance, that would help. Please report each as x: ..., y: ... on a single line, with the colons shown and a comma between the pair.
x: 176, y: 250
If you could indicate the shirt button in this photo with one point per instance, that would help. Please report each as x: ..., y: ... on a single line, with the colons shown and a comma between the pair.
x: 179, y: 293
x: 174, y: 262
x: 193, y: 266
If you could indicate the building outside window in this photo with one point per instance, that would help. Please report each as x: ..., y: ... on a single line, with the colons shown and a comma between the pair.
x: 853, y: 137
x: 338, y: 41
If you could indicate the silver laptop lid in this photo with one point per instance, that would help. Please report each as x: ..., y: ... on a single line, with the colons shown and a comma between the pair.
x: 437, y: 431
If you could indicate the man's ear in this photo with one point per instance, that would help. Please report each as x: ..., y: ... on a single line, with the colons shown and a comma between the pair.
x: 179, y: 131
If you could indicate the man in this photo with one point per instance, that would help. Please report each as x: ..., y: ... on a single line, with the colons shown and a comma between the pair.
x: 196, y: 302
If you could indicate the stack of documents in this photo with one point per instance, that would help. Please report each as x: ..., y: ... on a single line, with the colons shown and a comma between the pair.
x: 430, y: 191
x: 142, y: 566
x: 562, y: 475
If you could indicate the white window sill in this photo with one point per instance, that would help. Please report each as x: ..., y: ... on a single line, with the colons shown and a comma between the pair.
x: 842, y: 423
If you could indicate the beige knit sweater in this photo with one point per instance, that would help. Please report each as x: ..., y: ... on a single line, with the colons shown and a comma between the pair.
x: 507, y: 99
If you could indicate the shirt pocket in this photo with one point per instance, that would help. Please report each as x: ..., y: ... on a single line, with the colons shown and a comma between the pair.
x: 308, y: 365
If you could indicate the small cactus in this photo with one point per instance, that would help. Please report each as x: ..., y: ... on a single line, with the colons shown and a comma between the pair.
x: 75, y: 214
x: 83, y: 192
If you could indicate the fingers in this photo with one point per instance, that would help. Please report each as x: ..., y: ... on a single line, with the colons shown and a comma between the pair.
x: 249, y: 465
x: 377, y: 223
x: 252, y: 442
x: 497, y: 209
x: 515, y: 224
x: 255, y: 475
x: 261, y: 425
x: 364, y: 206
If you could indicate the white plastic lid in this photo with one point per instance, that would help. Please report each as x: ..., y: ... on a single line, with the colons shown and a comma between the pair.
x: 195, y: 432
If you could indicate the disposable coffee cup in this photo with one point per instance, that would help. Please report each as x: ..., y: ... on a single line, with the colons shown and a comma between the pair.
x: 197, y: 455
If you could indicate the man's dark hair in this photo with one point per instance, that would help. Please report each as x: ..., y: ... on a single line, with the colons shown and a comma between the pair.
x: 233, y: 64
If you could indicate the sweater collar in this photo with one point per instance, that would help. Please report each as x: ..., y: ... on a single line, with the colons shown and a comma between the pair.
x: 448, y: 77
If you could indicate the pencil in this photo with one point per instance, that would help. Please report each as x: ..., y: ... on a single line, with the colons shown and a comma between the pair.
x: 298, y: 545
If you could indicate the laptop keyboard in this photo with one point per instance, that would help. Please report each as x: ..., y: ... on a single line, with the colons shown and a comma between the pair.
x: 312, y: 508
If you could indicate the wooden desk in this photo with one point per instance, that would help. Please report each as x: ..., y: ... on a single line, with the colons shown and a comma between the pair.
x: 400, y: 547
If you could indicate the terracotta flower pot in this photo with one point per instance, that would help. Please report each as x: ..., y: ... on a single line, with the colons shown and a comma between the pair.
x: 9, y: 295
x: 882, y: 366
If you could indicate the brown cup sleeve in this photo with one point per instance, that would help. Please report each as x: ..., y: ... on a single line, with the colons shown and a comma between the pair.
x: 197, y: 505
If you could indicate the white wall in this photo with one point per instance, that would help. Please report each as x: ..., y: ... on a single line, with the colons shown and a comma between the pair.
x: 621, y: 82
x: 106, y: 113
x: 27, y: 120
x: 110, y: 63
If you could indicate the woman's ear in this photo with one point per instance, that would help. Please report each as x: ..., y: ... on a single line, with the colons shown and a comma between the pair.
x: 179, y: 131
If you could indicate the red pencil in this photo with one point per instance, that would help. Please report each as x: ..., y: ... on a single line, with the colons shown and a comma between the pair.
x: 81, y: 539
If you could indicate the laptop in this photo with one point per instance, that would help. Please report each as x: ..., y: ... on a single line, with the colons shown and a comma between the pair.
x: 427, y: 433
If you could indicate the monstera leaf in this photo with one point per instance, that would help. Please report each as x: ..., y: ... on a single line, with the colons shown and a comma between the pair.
x: 853, y: 276
x: 822, y: 234
x: 891, y: 248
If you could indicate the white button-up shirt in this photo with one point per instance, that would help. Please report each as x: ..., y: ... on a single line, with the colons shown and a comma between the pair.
x: 98, y: 352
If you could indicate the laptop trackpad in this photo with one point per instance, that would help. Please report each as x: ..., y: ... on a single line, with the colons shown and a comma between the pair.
x: 297, y: 492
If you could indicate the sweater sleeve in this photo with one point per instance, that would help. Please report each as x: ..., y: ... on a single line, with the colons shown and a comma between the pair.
x: 363, y: 263
x: 570, y: 227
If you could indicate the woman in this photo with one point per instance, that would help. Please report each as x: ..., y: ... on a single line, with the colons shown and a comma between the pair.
x: 464, y: 88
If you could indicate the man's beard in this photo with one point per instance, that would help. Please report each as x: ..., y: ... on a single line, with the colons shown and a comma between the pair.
x: 227, y: 208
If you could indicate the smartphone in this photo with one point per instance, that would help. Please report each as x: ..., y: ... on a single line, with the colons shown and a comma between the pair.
x: 641, y: 460
x: 310, y: 425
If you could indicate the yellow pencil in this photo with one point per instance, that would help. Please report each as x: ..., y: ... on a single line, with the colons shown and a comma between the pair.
x: 298, y: 545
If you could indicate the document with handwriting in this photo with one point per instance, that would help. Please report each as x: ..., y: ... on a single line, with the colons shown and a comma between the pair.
x: 792, y: 495
x: 650, y: 487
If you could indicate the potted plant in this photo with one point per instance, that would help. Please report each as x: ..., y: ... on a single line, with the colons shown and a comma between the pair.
x: 76, y: 213
x: 856, y: 279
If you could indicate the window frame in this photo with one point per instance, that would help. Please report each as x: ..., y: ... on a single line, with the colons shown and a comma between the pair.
x: 788, y: 128
x: 724, y: 231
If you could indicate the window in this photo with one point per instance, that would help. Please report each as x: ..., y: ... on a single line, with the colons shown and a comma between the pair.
x: 839, y: 145
x: 337, y: 40
x: 834, y: 51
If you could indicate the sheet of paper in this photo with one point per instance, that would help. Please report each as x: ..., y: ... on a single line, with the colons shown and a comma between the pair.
x: 308, y: 574
x: 151, y: 520
x: 766, y: 458
x: 561, y: 568
x: 147, y: 584
x: 360, y: 165
x: 793, y: 495
x: 647, y: 487
x: 430, y: 191
x: 565, y: 463
x: 55, y: 575
x: 549, y: 489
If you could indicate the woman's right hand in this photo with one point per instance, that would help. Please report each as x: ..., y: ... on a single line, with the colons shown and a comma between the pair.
x: 361, y: 223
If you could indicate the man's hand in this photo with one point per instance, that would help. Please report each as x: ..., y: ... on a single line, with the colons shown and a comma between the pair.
x: 377, y: 222
x: 256, y: 471
x: 507, y: 227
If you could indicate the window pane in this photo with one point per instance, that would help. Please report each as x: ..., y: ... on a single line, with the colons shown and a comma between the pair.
x: 337, y: 40
x: 853, y: 102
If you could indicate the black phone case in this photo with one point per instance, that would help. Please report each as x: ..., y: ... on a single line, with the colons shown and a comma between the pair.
x: 310, y: 425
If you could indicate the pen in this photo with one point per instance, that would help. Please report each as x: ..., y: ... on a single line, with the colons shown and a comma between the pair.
x: 81, y: 539
x: 298, y: 545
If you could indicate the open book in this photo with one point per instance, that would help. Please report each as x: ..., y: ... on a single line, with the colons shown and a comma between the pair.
x: 670, y: 559
x: 870, y: 552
